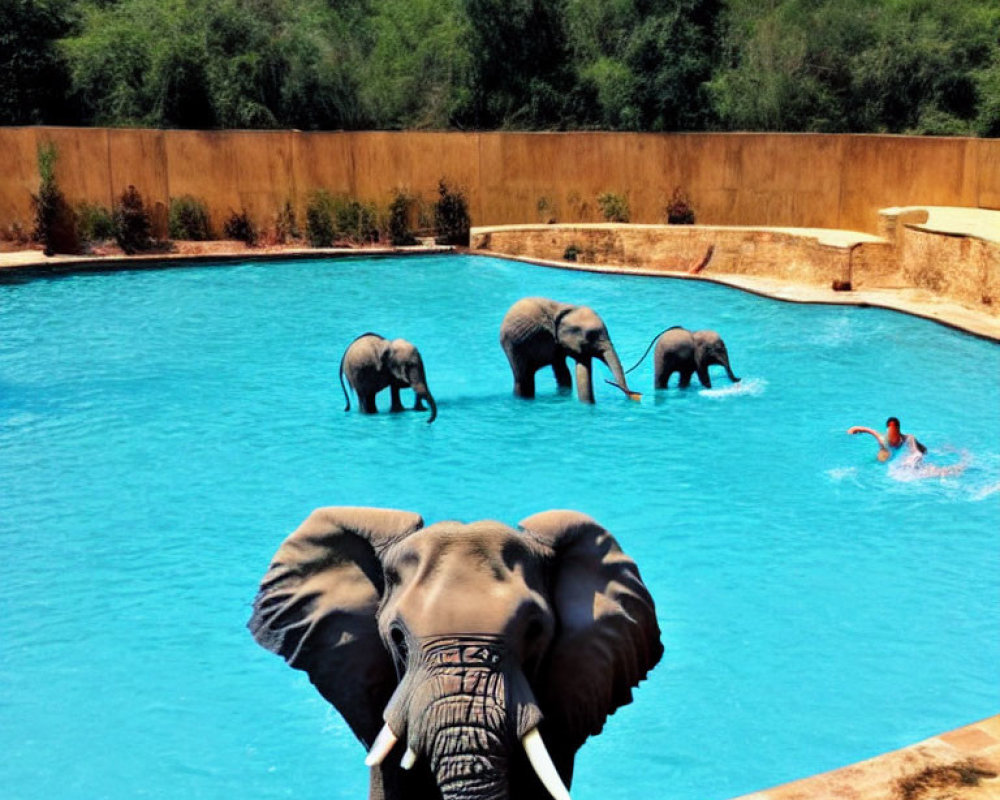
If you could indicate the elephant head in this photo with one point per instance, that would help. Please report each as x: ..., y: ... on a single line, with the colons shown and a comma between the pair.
x: 403, y: 362
x: 583, y: 336
x: 454, y: 651
x: 710, y: 349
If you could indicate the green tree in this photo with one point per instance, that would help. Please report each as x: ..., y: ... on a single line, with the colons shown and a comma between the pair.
x: 419, y: 73
x: 898, y: 66
x: 519, y: 64
x: 642, y: 64
x: 32, y: 72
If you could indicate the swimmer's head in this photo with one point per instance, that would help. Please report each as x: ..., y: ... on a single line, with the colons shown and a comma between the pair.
x: 892, y: 422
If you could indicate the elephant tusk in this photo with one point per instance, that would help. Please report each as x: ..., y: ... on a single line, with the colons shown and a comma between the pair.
x: 540, y: 759
x: 408, y: 760
x: 384, y: 742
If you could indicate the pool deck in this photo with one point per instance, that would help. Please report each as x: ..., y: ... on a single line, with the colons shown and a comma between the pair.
x: 917, y: 302
x: 962, y: 764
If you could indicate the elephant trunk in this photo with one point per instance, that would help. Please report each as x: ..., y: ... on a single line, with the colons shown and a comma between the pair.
x: 434, y: 409
x: 610, y: 357
x: 462, y: 708
x: 459, y: 721
x: 468, y: 747
x: 724, y: 361
x: 423, y: 393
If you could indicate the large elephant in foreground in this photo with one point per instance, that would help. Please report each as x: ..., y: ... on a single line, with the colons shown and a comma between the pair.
x: 537, y: 332
x: 686, y: 352
x: 473, y: 660
x: 372, y: 363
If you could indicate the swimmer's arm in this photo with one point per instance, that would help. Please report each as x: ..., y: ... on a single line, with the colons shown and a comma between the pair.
x: 883, y: 450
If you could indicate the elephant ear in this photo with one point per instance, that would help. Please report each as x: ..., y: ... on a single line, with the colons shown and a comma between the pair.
x: 607, y: 637
x: 316, y: 607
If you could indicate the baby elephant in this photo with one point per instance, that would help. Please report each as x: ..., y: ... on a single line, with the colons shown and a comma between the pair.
x: 685, y: 352
x: 372, y: 362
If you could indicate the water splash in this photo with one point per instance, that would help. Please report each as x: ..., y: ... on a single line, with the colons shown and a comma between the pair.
x: 914, y: 467
x: 753, y: 387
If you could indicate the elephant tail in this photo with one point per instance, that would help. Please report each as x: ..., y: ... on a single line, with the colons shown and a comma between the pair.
x: 347, y: 397
x: 643, y: 356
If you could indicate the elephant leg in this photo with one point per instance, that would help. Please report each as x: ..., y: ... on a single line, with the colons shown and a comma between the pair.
x: 366, y: 402
x: 524, y: 382
x: 662, y: 377
x: 563, y: 378
x: 397, y: 403
x: 685, y: 378
x: 419, y: 404
x: 703, y: 377
x: 584, y: 383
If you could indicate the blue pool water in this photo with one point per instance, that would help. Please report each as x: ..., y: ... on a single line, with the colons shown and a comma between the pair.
x: 161, y: 431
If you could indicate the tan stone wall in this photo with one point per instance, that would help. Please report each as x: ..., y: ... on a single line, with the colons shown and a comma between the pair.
x: 684, y: 248
x: 801, y: 180
x: 954, y: 267
x: 961, y: 267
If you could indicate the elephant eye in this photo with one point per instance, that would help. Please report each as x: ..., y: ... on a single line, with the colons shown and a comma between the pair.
x: 391, y: 577
x: 399, y: 643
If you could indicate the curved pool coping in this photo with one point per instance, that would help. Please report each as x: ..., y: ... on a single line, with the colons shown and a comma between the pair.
x: 969, y: 755
x: 915, y: 302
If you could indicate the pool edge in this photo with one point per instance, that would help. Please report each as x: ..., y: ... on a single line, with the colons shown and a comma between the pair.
x: 963, y: 763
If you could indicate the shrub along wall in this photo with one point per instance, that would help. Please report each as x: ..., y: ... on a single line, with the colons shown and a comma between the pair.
x: 804, y: 180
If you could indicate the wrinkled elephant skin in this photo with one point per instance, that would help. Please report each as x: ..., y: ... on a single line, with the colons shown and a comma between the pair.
x: 537, y: 332
x: 473, y: 660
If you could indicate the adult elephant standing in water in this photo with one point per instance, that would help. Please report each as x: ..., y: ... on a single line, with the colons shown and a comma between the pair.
x: 473, y: 660
x: 537, y: 332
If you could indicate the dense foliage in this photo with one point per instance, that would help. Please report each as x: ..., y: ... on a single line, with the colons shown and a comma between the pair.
x: 902, y: 66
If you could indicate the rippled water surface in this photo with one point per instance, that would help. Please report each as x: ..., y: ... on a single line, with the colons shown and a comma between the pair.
x: 161, y: 431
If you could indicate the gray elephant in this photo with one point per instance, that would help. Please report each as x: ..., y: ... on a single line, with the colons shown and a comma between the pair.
x: 372, y: 362
x: 686, y: 352
x: 537, y: 332
x: 472, y: 660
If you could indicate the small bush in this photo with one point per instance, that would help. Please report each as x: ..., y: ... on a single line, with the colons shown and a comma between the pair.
x: 355, y: 221
x: 679, y: 210
x: 451, y: 216
x: 546, y: 210
x: 132, y: 223
x: 240, y: 227
x: 55, y: 222
x: 285, y: 226
x: 571, y: 253
x: 94, y: 222
x: 320, y: 228
x: 614, y: 207
x: 189, y: 219
x: 398, y: 224
x: 15, y: 232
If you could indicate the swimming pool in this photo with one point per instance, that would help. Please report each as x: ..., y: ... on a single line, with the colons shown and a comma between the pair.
x: 162, y: 430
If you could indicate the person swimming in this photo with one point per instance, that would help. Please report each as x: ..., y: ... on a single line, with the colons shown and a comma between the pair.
x: 895, y: 440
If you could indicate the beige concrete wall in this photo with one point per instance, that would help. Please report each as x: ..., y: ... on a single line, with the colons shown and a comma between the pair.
x: 759, y: 252
x: 961, y: 268
x: 803, y: 180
